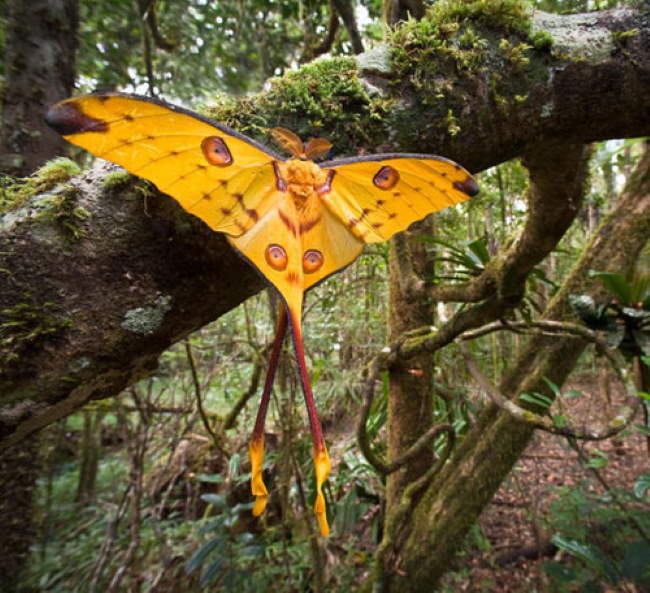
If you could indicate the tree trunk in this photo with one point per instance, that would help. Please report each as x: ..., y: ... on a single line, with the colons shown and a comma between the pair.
x: 410, y: 404
x: 19, y: 467
x: 91, y: 440
x: 453, y: 503
x: 41, y: 40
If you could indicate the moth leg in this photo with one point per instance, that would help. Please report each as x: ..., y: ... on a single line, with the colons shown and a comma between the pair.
x: 256, y: 447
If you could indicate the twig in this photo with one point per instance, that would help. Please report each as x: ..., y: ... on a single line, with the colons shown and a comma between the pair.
x: 546, y: 423
x: 424, y: 441
x: 231, y: 417
x: 111, y: 534
x: 199, y: 401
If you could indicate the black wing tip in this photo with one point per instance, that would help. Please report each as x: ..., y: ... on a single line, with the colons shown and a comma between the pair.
x: 67, y: 119
x: 468, y: 187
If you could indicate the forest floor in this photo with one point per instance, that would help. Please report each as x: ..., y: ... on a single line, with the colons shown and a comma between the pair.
x: 549, y: 481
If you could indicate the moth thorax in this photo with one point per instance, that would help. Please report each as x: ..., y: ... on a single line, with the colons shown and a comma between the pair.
x: 301, y: 194
x: 304, y: 173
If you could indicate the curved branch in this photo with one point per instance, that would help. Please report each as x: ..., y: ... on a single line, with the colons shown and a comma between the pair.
x: 346, y: 9
x: 368, y: 393
x: 328, y: 42
x: 231, y: 417
x: 559, y: 329
x: 217, y: 439
x: 425, y: 440
x: 148, y: 14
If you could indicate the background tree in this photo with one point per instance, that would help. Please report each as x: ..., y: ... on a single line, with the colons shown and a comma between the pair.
x: 39, y: 69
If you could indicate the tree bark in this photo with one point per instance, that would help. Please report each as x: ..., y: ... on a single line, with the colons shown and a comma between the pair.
x: 93, y: 292
x: 475, y: 471
x: 40, y: 70
x: 20, y: 466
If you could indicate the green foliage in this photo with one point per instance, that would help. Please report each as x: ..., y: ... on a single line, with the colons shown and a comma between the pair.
x: 603, y: 544
x: 641, y: 486
x: 467, y: 260
x: 625, y: 318
x: 66, y: 565
x: 229, y: 46
x: 228, y: 557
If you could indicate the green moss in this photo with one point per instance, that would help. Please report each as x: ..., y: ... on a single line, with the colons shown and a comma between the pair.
x: 14, y: 192
x: 452, y: 123
x: 24, y: 325
x: 541, y: 40
x: 116, y: 179
x: 324, y: 95
x: 515, y: 54
x: 61, y: 208
x: 510, y: 15
x: 621, y: 35
x: 55, y: 171
x: 459, y: 45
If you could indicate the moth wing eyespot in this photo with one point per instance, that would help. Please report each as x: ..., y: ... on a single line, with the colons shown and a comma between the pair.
x: 216, y: 151
x: 276, y: 257
x: 312, y: 260
x: 386, y: 178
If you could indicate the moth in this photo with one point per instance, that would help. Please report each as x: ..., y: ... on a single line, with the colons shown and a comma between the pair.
x: 295, y: 221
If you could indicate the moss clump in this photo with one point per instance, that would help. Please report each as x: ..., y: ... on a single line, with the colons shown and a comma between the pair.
x: 511, y: 16
x: 25, y: 325
x: 515, y: 53
x: 324, y: 95
x: 541, y: 40
x: 116, y: 180
x: 15, y: 192
x: 61, y: 208
x: 622, y: 35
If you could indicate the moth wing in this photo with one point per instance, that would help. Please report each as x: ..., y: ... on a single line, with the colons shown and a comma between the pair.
x: 380, y: 195
x: 214, y: 172
x: 337, y: 245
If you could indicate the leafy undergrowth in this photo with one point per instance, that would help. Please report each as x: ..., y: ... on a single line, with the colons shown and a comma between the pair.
x: 553, y: 528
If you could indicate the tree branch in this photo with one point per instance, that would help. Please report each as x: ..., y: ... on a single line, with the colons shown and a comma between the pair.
x: 525, y: 414
x: 128, y: 283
